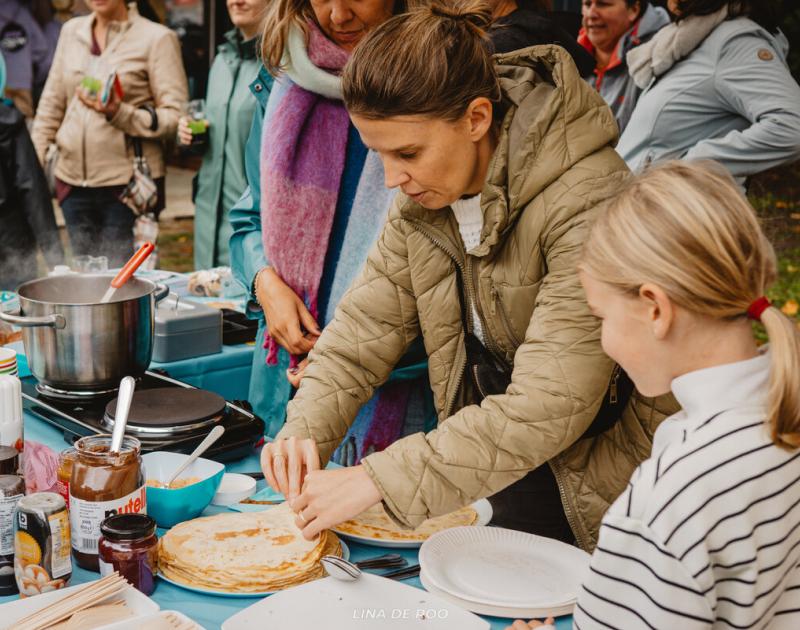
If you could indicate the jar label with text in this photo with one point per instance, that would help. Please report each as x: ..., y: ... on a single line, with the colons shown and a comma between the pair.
x: 7, y: 505
x: 85, y: 517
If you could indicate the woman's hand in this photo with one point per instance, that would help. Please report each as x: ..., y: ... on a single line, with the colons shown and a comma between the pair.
x: 533, y: 623
x: 288, y: 320
x: 109, y: 110
x: 184, y: 133
x: 330, y: 497
x: 295, y: 374
x: 286, y: 463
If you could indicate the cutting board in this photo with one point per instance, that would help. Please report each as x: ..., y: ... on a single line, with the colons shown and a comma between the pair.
x: 370, y: 602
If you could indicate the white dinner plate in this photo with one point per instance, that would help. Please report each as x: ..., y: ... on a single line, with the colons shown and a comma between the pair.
x: 503, y: 568
x: 497, y: 611
x: 482, y: 507
x: 209, y: 591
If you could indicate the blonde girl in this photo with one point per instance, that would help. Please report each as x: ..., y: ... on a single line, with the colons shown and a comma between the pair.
x: 708, y: 531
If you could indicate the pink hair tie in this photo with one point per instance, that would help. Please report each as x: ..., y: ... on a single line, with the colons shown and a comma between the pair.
x: 756, y: 309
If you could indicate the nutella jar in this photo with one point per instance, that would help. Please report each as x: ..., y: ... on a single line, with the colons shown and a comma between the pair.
x: 102, y: 484
x: 66, y: 458
x: 129, y: 545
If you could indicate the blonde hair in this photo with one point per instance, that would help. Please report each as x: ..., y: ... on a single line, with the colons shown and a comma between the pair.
x: 688, y: 228
x: 283, y: 15
x: 433, y: 61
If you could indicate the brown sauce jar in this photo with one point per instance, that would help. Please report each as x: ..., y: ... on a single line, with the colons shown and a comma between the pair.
x: 129, y: 545
x: 102, y: 484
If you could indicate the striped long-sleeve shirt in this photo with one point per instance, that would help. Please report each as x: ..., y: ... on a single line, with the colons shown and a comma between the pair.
x: 707, y: 533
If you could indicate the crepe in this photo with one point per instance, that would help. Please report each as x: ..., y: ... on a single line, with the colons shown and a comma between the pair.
x: 377, y: 524
x: 248, y: 552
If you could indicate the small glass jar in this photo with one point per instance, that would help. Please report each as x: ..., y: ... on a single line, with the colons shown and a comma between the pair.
x: 66, y: 458
x: 128, y: 544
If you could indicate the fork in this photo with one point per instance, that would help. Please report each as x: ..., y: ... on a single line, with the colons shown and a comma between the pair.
x: 386, y: 561
x: 405, y: 573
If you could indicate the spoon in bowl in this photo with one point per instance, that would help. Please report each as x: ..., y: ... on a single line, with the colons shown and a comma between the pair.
x: 212, y: 437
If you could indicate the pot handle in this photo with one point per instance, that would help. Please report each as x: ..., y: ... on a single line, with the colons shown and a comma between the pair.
x: 162, y: 291
x: 54, y: 320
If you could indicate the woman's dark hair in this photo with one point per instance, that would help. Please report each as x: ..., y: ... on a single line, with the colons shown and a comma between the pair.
x: 433, y: 61
x: 763, y: 12
x: 42, y: 11
x: 642, y: 6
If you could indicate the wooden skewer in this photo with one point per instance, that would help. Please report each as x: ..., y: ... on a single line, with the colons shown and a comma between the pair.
x: 91, y: 595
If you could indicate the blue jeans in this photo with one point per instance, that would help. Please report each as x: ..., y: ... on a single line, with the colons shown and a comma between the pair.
x: 98, y: 223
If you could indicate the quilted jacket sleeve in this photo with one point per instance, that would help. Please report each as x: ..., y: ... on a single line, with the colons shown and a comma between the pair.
x: 560, y: 377
x: 373, y: 326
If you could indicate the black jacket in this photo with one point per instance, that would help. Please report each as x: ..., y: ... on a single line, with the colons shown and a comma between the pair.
x: 528, y: 27
x: 26, y: 210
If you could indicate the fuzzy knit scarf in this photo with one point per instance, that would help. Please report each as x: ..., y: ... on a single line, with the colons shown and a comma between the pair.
x: 303, y: 157
x: 671, y: 44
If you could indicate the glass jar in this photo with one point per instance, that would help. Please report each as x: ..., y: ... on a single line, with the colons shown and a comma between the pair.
x: 102, y: 484
x: 66, y: 458
x: 128, y: 544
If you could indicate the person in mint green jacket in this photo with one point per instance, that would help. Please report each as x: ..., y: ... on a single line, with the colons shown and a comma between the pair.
x: 229, y: 111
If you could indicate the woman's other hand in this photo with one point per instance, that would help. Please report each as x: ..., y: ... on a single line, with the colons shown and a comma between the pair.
x: 92, y: 101
x: 184, y: 133
x: 288, y: 320
x: 533, y: 623
x: 330, y: 497
x: 295, y: 374
x: 286, y: 463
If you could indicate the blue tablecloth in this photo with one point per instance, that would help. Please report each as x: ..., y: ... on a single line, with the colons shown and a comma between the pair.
x: 210, y: 611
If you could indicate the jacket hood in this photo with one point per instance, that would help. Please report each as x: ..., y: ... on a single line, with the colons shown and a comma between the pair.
x: 554, y: 119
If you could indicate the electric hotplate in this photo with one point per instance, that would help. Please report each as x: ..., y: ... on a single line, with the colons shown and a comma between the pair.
x: 166, y: 415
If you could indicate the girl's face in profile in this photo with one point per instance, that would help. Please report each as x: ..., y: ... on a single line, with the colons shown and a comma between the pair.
x: 633, y: 332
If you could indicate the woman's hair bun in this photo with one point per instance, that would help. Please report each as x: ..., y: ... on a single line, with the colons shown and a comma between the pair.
x: 475, y: 12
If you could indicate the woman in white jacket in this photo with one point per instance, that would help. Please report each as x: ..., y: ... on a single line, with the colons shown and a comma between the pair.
x: 716, y: 86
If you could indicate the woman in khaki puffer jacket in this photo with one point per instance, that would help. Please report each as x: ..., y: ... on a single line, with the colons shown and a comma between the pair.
x: 541, y: 167
x: 95, y: 151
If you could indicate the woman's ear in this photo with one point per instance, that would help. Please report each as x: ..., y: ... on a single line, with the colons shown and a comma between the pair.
x: 479, y: 117
x: 660, y: 311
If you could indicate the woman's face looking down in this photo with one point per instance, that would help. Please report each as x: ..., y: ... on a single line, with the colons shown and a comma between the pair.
x: 345, y: 22
x: 432, y: 160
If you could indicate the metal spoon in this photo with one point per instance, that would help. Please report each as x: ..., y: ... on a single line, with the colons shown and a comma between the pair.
x: 340, y: 568
x: 212, y: 437
x: 124, y: 399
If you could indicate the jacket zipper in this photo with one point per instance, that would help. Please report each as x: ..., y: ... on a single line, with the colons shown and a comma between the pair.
x: 613, y: 393
x: 472, y: 284
x: 462, y: 360
x: 569, y: 509
x: 497, y: 302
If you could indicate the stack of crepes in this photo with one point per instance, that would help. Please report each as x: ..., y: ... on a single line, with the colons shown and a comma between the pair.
x: 377, y: 524
x: 249, y: 552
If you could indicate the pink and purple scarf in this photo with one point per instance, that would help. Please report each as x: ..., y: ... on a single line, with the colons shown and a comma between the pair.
x: 303, y: 157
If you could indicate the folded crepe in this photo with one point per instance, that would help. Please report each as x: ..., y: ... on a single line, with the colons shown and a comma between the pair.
x: 247, y: 552
x: 376, y: 523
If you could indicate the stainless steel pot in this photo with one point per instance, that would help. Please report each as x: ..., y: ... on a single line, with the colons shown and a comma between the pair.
x: 75, y: 344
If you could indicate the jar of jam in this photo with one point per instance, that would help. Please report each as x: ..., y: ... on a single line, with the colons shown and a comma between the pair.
x: 128, y: 544
x: 102, y: 484
x: 65, y: 460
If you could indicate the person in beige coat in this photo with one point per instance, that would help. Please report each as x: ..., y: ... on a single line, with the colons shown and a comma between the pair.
x: 503, y: 165
x: 95, y: 139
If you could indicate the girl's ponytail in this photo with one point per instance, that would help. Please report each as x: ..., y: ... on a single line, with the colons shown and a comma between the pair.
x: 784, y: 386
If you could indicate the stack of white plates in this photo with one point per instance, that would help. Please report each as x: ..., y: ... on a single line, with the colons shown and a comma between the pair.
x: 502, y: 572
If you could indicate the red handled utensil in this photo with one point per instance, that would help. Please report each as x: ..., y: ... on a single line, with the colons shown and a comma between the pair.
x: 128, y: 270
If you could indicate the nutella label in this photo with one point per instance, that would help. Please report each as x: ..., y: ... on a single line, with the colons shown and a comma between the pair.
x: 85, y: 517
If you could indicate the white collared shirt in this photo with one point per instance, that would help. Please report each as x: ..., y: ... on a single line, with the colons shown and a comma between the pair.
x: 707, y: 533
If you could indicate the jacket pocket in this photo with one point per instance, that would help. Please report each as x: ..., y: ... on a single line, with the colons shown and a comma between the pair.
x: 513, y: 307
